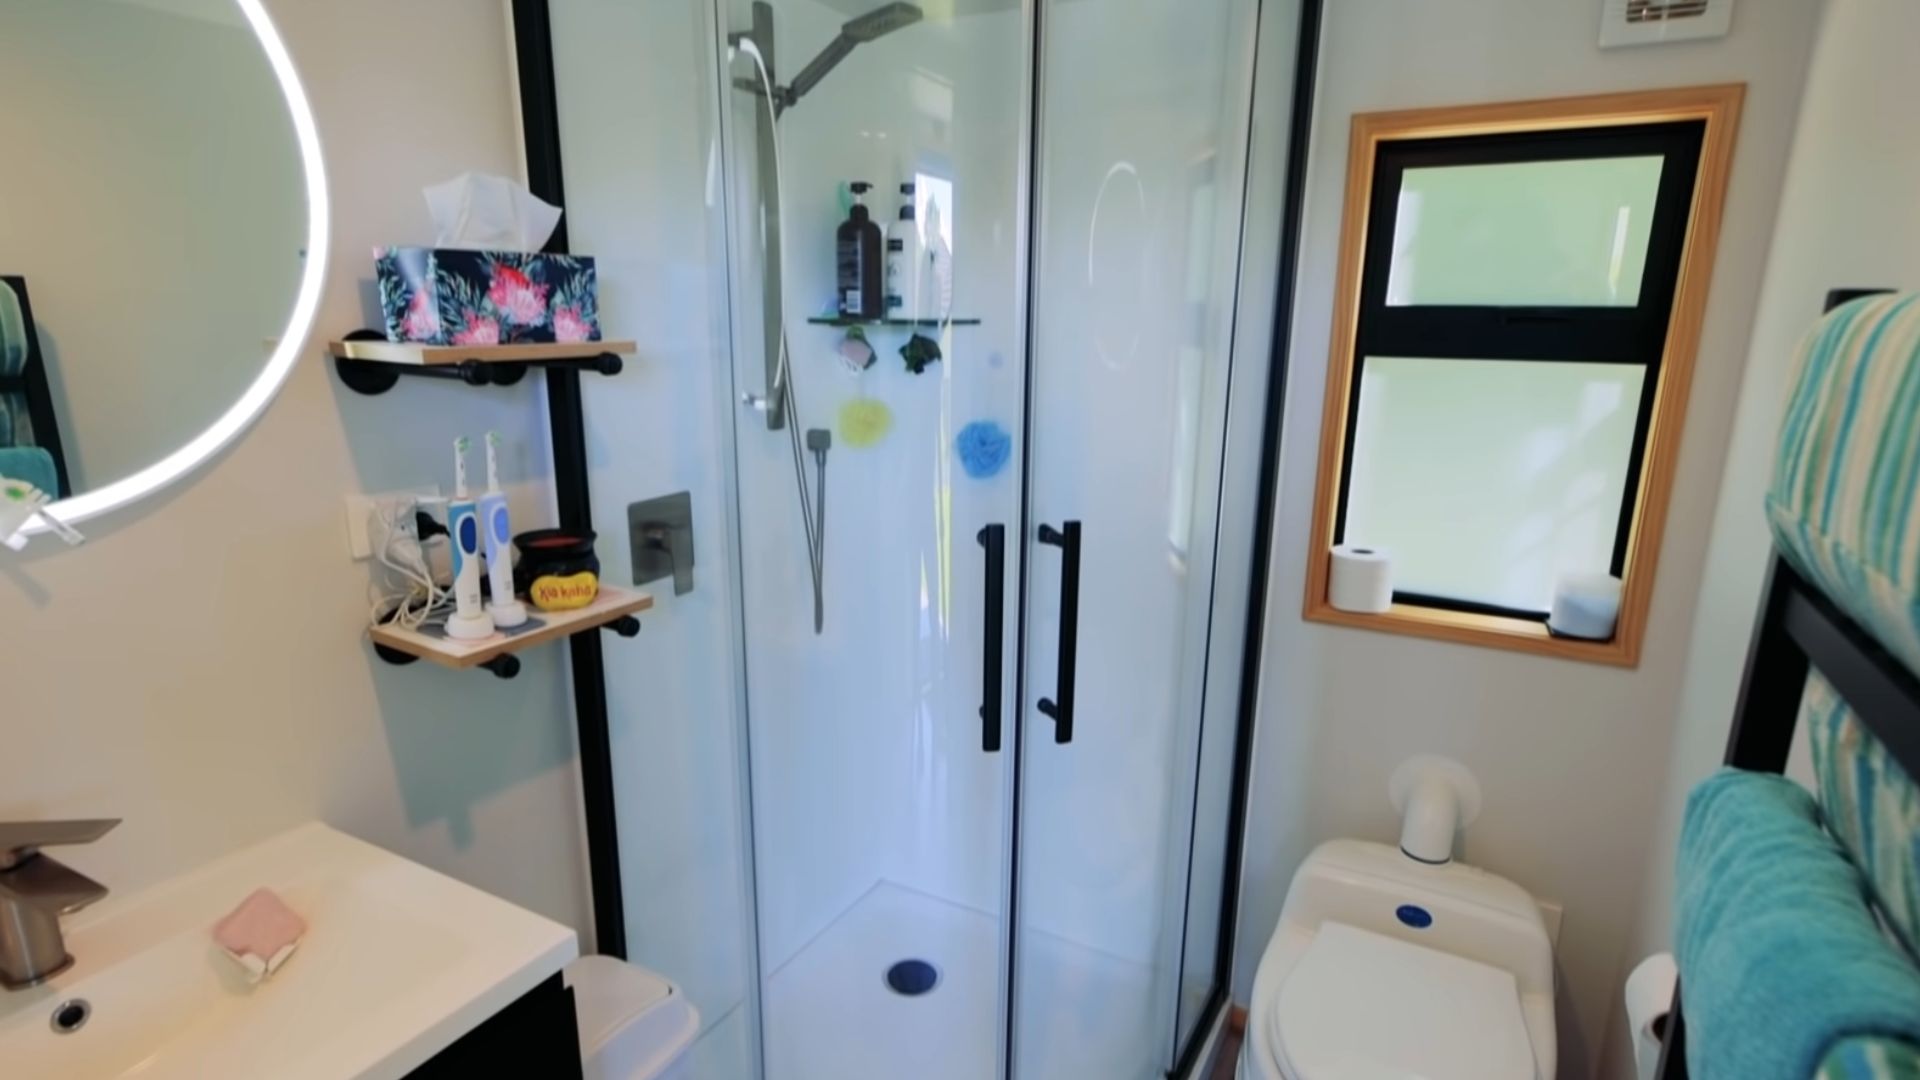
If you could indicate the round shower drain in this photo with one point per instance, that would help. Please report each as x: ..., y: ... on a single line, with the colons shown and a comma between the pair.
x: 912, y: 977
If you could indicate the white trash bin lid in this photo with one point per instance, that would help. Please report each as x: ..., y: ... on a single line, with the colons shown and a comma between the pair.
x: 633, y: 1023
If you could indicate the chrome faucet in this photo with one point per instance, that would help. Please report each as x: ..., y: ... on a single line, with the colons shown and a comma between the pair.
x: 35, y: 891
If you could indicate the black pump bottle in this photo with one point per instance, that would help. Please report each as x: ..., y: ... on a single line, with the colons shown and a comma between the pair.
x: 861, y: 261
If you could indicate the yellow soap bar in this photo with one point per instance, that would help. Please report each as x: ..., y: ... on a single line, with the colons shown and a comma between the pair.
x: 564, y: 593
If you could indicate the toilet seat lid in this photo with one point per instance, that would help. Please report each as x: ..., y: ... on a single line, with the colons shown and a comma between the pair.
x: 1363, y: 1006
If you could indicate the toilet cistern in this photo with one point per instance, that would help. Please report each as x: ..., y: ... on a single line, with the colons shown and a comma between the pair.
x: 1436, y: 797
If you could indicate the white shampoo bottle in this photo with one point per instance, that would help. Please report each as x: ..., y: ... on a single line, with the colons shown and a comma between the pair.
x: 906, y: 259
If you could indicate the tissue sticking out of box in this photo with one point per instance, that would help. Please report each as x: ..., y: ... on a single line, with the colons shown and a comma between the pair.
x: 479, y: 211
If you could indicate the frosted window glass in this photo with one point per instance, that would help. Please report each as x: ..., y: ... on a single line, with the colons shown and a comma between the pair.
x: 1485, y: 480
x: 1524, y: 234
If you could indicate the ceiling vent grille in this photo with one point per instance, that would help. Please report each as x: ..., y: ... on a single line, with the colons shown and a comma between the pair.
x: 1652, y: 22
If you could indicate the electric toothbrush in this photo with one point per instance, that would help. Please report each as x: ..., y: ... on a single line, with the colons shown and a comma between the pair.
x: 504, y: 607
x: 469, y: 621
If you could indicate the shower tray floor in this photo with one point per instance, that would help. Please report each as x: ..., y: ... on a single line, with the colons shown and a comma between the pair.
x: 830, y: 1014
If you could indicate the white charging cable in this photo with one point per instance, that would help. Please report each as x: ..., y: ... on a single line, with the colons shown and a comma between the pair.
x: 422, y: 600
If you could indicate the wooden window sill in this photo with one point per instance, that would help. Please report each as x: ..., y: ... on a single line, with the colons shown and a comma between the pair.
x: 1466, y: 628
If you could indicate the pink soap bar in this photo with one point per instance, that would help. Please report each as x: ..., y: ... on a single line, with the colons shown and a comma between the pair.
x: 261, y: 926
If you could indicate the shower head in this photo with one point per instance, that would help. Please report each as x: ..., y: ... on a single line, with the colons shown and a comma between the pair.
x: 881, y: 21
x: 857, y: 31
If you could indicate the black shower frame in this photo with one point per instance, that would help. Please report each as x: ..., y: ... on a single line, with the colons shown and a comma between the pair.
x: 540, y: 121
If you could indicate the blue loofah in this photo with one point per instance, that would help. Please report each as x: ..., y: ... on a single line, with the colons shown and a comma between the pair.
x: 983, y: 447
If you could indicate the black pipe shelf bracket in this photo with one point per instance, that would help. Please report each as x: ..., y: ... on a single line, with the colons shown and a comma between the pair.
x: 370, y: 364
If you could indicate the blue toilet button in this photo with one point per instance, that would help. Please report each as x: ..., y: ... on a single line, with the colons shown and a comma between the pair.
x: 1414, y: 915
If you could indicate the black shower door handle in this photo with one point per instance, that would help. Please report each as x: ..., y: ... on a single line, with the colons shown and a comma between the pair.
x: 1060, y: 706
x: 994, y: 539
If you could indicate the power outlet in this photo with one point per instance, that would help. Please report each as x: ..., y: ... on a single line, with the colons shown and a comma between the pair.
x: 361, y: 510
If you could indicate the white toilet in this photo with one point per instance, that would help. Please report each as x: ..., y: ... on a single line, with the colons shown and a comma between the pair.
x: 634, y: 1025
x: 1393, y: 963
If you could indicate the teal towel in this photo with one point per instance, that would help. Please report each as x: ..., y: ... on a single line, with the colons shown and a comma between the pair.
x: 13, y: 332
x: 1780, y: 957
x: 32, y: 464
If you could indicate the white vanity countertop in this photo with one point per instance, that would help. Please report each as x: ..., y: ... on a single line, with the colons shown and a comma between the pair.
x: 398, y: 962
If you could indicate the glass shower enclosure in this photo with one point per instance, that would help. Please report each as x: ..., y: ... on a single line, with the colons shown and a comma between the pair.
x: 987, y: 791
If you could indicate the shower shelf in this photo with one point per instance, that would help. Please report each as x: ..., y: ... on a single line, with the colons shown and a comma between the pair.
x: 613, y: 609
x: 837, y: 320
x: 370, y: 364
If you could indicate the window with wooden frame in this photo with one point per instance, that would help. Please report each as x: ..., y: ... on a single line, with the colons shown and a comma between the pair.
x: 1519, y: 301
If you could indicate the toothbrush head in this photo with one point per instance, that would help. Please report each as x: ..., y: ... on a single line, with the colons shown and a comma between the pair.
x: 460, y: 446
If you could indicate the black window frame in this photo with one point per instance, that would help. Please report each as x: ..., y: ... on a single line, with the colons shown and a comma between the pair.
x: 1635, y: 336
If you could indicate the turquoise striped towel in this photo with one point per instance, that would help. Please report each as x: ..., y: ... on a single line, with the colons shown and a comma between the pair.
x: 13, y: 332
x: 1871, y: 1059
x: 32, y: 464
x: 1780, y: 957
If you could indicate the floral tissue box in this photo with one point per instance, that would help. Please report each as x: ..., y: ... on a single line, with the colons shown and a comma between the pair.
x: 446, y: 296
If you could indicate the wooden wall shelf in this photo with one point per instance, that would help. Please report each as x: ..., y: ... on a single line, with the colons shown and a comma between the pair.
x: 613, y: 609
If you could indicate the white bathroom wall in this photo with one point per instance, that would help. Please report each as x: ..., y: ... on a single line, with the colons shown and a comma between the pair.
x: 200, y: 667
x: 1848, y: 217
x: 1572, y: 756
x: 157, y: 218
x: 640, y: 198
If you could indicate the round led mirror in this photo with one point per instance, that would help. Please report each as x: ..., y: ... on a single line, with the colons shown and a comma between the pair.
x: 163, y: 235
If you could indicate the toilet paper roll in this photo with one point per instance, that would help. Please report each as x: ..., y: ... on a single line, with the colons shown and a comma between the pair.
x: 1585, y: 606
x: 1649, y: 999
x: 1362, y: 580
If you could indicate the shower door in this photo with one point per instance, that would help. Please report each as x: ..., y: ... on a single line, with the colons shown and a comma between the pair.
x: 973, y: 856
x: 880, y: 756
x: 1143, y: 110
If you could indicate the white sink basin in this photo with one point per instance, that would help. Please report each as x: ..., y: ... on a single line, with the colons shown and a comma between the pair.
x: 398, y: 963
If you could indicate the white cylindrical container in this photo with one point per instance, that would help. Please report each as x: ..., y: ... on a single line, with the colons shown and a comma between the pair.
x: 1585, y: 606
x: 906, y: 257
x: 1361, y: 580
x: 1649, y: 1000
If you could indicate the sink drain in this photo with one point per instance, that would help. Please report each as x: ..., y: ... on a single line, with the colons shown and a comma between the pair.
x: 70, y: 1016
x: 911, y: 978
